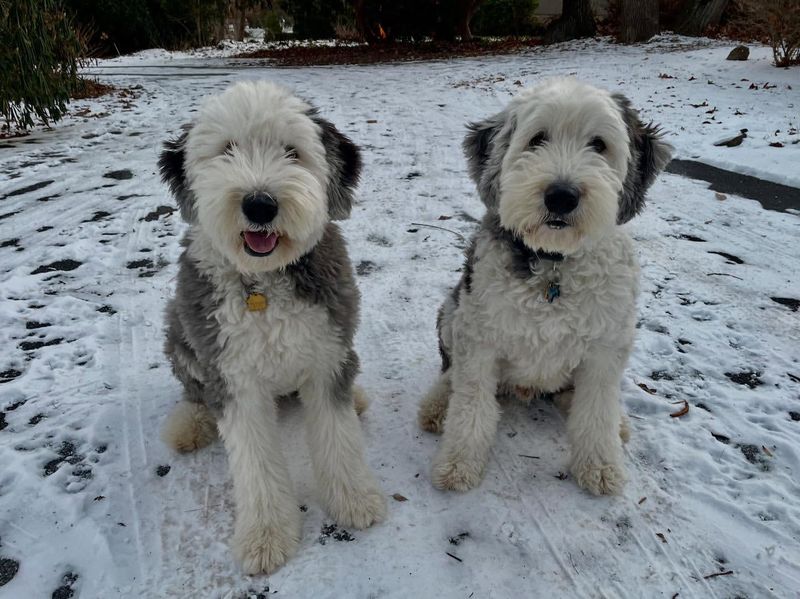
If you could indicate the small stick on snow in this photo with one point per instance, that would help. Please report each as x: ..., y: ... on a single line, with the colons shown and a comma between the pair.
x: 458, y: 559
x: 533, y: 457
x: 723, y: 274
x: 715, y: 574
x: 456, y: 233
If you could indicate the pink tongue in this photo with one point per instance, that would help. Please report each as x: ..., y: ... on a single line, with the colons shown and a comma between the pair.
x: 260, y: 242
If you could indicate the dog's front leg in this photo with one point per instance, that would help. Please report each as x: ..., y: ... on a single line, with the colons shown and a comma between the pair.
x: 593, y: 424
x: 346, y: 485
x: 267, y: 529
x: 471, y: 422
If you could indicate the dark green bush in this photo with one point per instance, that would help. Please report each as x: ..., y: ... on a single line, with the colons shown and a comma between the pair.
x: 505, y: 17
x: 38, y: 61
x: 131, y: 25
x: 315, y: 19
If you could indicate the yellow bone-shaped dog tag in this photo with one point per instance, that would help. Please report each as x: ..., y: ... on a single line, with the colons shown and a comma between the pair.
x: 256, y: 302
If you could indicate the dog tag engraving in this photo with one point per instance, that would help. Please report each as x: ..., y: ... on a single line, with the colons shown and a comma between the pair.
x: 256, y: 302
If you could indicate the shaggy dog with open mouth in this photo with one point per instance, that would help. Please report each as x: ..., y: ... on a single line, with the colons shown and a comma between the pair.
x: 547, y: 299
x: 266, y: 306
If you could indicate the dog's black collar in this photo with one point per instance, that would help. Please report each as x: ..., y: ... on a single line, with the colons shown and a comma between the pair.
x: 534, y: 256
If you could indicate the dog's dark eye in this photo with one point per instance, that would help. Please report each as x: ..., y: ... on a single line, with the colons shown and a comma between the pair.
x: 290, y: 152
x: 598, y: 145
x: 537, y: 140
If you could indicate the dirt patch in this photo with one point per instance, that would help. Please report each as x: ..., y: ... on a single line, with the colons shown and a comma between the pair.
x: 66, y: 590
x: 120, y: 175
x: 749, y: 378
x: 68, y: 453
x: 729, y: 257
x: 143, y: 263
x: 755, y: 455
x: 158, y: 213
x: 28, y: 189
x: 390, y: 52
x: 331, y: 531
x: 790, y: 302
x: 365, y: 267
x: 688, y: 237
x: 8, y: 569
x: 31, y: 345
x: 9, y: 375
x: 98, y: 216
x: 58, y: 265
x: 90, y: 88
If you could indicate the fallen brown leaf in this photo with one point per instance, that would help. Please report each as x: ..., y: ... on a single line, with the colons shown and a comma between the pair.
x: 662, y: 537
x: 647, y: 389
x: 683, y: 411
x: 398, y: 497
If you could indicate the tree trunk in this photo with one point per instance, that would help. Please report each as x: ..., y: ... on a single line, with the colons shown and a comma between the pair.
x: 465, y: 18
x: 240, y: 21
x: 639, y: 20
x: 576, y: 21
x: 701, y: 14
x: 364, y: 23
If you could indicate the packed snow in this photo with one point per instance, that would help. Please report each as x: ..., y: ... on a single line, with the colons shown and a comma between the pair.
x: 93, y: 503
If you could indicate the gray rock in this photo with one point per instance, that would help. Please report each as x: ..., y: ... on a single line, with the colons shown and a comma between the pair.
x: 739, y: 53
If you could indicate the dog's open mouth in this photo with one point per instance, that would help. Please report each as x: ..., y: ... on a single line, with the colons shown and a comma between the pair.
x: 260, y: 243
x: 556, y: 223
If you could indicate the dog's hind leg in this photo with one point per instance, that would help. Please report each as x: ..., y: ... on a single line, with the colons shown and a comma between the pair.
x: 190, y: 426
x: 347, y: 487
x: 433, y: 407
x: 268, y: 526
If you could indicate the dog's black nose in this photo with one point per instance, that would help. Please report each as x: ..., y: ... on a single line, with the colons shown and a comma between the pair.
x: 259, y: 207
x: 561, y: 198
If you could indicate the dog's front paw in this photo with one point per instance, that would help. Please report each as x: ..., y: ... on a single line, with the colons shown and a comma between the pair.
x: 359, y: 509
x: 452, y: 473
x: 262, y: 549
x: 598, y: 478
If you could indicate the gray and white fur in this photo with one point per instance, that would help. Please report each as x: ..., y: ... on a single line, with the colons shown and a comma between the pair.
x: 559, y: 170
x: 258, y: 176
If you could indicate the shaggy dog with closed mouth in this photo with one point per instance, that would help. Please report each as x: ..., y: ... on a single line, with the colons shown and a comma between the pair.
x: 266, y: 306
x: 547, y: 299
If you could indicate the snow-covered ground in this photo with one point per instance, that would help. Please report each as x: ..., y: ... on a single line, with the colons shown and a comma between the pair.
x: 91, y: 500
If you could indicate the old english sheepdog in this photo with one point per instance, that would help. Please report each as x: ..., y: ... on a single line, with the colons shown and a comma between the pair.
x: 547, y: 298
x: 265, y: 306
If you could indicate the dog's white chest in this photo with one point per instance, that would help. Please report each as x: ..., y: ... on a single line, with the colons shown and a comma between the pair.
x: 279, y: 342
x: 541, y: 343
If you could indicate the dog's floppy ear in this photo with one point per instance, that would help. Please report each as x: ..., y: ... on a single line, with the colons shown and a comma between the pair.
x: 649, y: 155
x: 171, y: 163
x: 484, y: 146
x: 344, y: 162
